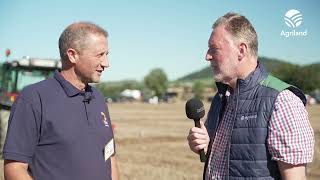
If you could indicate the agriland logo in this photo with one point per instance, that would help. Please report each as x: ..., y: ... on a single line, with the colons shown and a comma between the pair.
x: 293, y: 19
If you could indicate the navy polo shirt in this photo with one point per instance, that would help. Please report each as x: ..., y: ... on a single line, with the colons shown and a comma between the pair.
x: 60, y: 131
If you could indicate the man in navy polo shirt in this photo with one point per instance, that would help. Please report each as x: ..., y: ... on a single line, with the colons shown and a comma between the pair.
x: 59, y: 128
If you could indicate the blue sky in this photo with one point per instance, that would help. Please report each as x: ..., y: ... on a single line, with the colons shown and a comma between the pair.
x: 169, y: 34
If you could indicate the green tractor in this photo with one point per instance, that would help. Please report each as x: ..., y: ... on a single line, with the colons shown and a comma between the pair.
x: 14, y: 76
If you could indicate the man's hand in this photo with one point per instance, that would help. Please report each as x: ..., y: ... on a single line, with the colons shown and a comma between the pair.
x: 198, y: 138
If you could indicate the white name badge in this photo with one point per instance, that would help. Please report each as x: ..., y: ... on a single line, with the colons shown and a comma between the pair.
x: 108, y: 150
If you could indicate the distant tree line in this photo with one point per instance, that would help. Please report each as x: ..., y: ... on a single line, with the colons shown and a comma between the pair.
x: 155, y: 83
x: 306, y: 78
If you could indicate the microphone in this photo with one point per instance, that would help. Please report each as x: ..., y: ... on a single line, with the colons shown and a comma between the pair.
x: 195, y: 111
x: 87, y: 96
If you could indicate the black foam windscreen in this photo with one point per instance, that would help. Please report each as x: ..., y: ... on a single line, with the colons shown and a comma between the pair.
x: 194, y: 109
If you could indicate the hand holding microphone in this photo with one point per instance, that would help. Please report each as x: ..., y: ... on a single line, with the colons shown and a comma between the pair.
x: 198, y: 137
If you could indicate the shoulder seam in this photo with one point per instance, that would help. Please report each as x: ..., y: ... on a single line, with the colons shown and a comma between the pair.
x: 274, y: 83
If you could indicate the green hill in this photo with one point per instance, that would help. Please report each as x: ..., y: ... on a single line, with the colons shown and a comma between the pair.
x: 306, y: 77
x: 205, y: 73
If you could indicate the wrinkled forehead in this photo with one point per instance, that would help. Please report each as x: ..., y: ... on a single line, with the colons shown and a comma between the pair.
x: 92, y: 39
x: 95, y: 43
x: 220, y: 35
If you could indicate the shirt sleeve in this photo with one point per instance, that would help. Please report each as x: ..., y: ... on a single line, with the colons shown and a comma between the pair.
x: 22, y: 133
x: 291, y: 137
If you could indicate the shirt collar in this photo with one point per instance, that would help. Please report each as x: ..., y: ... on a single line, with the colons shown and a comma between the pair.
x: 68, y: 88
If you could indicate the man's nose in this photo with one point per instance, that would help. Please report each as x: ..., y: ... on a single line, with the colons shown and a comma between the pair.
x: 208, y: 57
x: 105, y: 62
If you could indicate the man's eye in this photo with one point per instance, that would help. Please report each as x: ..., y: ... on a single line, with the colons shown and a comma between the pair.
x: 104, y: 53
x: 101, y: 54
x: 213, y: 50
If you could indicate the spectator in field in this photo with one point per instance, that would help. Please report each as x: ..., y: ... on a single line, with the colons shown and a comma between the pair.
x: 257, y: 126
x: 59, y: 128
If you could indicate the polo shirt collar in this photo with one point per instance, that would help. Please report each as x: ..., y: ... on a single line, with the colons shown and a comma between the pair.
x: 69, y: 89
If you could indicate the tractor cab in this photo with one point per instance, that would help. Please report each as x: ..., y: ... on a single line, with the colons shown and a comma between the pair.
x: 17, y: 74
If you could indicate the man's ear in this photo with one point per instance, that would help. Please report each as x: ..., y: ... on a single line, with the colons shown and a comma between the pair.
x: 72, y: 55
x: 243, y: 51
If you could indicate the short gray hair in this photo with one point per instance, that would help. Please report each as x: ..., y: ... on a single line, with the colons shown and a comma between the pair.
x: 240, y: 28
x: 75, y: 36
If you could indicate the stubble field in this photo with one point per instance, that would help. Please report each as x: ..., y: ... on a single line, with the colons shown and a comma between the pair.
x: 151, y: 142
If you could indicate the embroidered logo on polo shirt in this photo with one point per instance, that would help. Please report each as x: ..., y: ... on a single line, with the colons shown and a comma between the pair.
x: 104, y: 119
